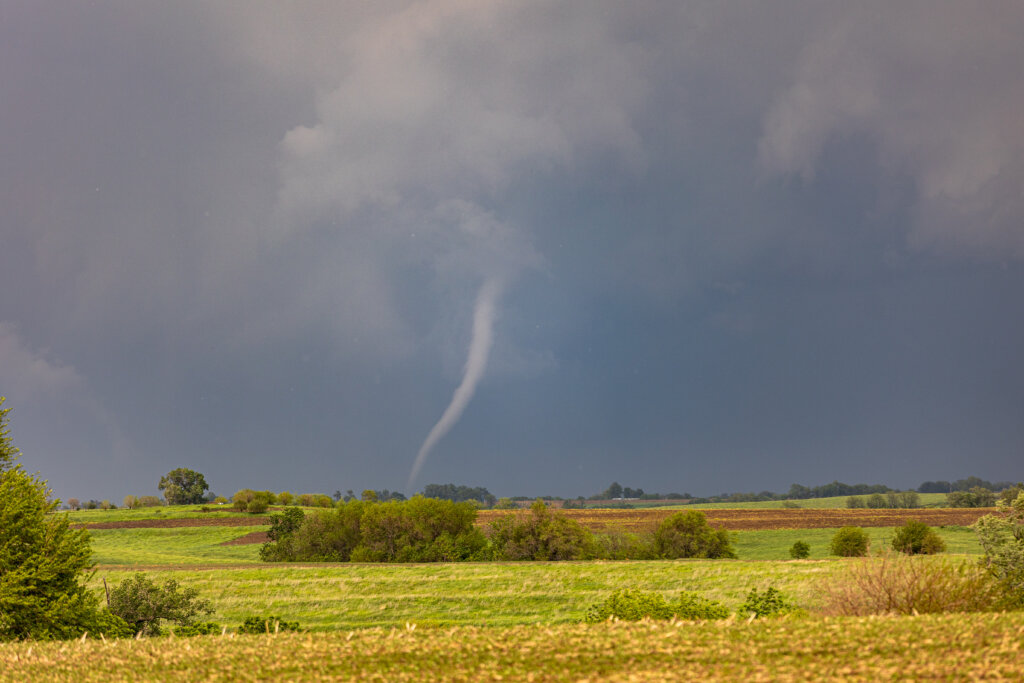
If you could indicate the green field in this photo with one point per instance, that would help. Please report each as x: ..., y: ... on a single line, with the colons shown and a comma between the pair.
x: 344, y: 596
x: 490, y: 621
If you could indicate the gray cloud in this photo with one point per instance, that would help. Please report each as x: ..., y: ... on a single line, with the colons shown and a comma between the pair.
x: 257, y: 227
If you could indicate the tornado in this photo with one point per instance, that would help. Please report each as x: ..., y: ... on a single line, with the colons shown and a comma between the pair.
x: 476, y: 363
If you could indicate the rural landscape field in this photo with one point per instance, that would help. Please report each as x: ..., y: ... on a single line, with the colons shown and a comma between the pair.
x: 511, y: 340
x: 523, y: 620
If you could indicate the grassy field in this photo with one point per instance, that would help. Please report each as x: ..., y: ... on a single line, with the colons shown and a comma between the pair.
x: 509, y: 621
x: 946, y: 647
x: 203, y: 545
x: 199, y: 545
x: 344, y: 596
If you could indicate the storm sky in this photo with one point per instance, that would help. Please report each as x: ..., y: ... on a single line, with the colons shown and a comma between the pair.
x: 739, y: 245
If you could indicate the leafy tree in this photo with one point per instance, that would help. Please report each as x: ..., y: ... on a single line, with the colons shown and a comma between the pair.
x: 850, y: 541
x: 688, y: 534
x: 543, y: 535
x: 42, y: 560
x: 9, y: 453
x: 1009, y: 494
x: 143, y: 604
x: 613, y: 491
x: 877, y: 501
x: 917, y: 538
x: 976, y: 497
x: 74, y: 504
x: 856, y: 502
x: 459, y: 494
x: 800, y: 550
x: 183, y: 486
x: 1002, y: 539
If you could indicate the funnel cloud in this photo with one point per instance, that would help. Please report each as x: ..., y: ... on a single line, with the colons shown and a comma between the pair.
x: 476, y: 363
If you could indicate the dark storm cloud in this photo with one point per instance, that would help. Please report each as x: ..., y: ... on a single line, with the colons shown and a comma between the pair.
x: 743, y: 245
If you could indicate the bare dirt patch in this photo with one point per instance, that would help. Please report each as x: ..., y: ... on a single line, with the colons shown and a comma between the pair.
x: 176, y: 522
x: 248, y: 539
x: 754, y: 519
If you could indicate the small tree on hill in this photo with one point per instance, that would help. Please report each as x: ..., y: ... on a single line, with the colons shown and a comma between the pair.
x: 183, y: 487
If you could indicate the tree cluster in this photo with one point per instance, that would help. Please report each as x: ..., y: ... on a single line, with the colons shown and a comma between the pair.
x: 892, y: 499
x: 458, y: 494
x: 432, y: 530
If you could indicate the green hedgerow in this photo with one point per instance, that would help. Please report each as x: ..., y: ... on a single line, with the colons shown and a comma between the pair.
x: 633, y: 605
x: 272, y: 624
x: 767, y: 604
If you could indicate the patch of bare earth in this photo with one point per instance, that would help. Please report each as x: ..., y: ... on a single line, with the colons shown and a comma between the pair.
x: 754, y: 519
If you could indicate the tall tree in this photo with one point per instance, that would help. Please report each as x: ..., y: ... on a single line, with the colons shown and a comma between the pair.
x: 8, y: 452
x: 183, y: 486
x: 42, y: 561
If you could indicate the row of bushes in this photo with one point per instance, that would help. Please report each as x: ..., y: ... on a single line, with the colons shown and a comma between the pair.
x: 892, y: 499
x: 431, y: 530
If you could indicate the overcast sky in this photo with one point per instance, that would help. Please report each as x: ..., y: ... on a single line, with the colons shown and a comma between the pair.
x: 733, y: 245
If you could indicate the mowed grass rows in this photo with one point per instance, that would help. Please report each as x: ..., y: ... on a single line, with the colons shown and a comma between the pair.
x: 346, y: 596
x: 946, y: 647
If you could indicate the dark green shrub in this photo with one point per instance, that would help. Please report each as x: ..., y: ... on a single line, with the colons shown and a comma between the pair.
x: 800, y: 551
x: 688, y: 534
x: 544, y: 534
x: 143, y: 605
x: 856, y: 502
x: 200, y: 628
x: 850, y: 541
x: 977, y: 497
x: 769, y: 603
x: 917, y: 538
x: 262, y: 625
x: 633, y: 605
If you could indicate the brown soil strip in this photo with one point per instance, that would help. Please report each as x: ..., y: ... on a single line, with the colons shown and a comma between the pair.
x: 781, y: 518
x: 248, y: 539
x: 166, y: 523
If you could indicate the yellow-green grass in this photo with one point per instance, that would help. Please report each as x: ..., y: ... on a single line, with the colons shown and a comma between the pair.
x: 774, y: 544
x: 156, y: 512
x: 945, y: 647
x: 344, y: 596
x: 173, y: 545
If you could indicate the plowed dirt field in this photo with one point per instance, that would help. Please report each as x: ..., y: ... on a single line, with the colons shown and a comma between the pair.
x: 743, y: 520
